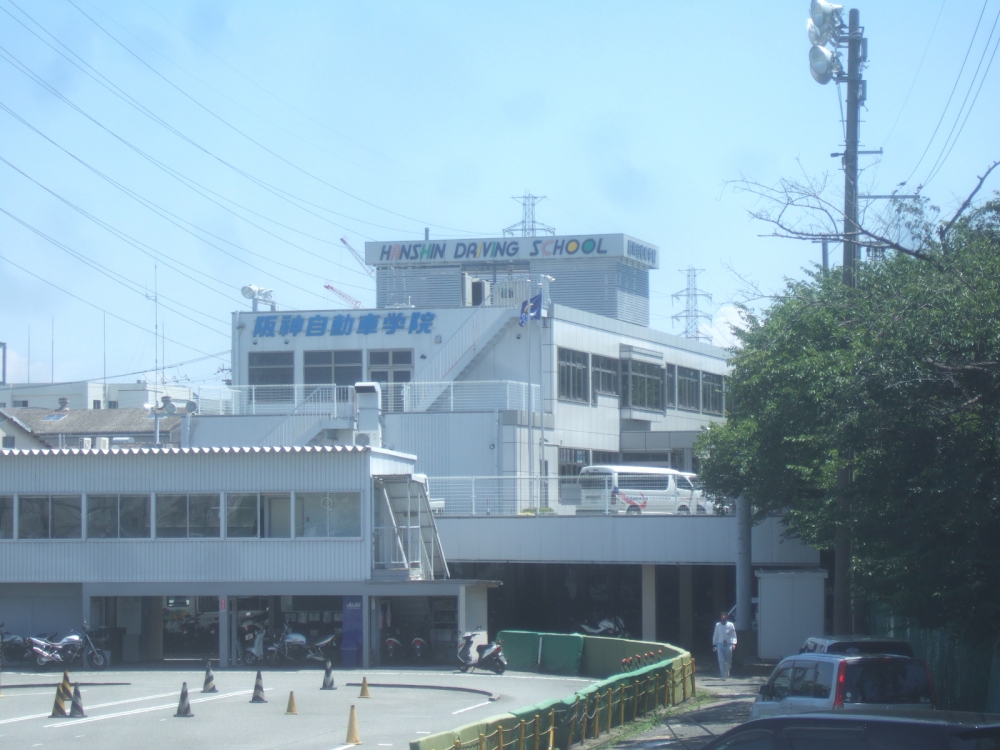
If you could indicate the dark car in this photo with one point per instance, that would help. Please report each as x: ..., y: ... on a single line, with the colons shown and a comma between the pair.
x: 872, y: 730
x: 856, y: 644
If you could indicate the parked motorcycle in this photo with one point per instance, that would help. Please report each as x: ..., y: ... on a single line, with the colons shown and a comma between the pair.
x: 488, y: 655
x: 251, y: 639
x: 608, y: 627
x: 396, y: 649
x: 74, y: 647
x: 14, y: 647
x: 293, y: 647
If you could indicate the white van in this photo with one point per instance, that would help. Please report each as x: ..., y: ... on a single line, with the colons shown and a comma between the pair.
x: 640, y: 489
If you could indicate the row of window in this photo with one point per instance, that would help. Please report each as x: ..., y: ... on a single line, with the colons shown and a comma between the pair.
x: 638, y: 384
x: 340, y: 367
x: 96, y: 404
x: 240, y: 515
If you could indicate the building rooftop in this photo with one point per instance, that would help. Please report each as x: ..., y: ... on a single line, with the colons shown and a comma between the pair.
x: 45, y: 423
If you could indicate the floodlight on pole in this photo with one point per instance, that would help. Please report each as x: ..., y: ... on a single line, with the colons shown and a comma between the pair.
x: 259, y: 294
x: 823, y: 64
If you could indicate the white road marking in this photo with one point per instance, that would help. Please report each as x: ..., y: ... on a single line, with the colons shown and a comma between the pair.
x: 344, y: 747
x: 469, y: 708
x: 98, y: 705
x: 145, y: 710
x: 423, y: 732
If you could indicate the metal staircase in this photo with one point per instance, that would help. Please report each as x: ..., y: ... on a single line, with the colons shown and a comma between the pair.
x: 405, y: 542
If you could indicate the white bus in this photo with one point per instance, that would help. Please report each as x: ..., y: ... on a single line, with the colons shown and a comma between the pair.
x: 640, y: 489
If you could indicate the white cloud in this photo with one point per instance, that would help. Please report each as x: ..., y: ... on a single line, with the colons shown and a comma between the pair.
x: 721, y: 325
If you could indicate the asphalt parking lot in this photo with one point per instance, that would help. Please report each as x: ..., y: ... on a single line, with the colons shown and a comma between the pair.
x: 120, y: 717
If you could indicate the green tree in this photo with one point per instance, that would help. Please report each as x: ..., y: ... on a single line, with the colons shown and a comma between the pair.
x: 902, y: 375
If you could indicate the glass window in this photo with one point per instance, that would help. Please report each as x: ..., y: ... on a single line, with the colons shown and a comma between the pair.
x: 573, y: 380
x: 241, y: 514
x: 348, y: 367
x: 9, y: 442
x: 688, y: 389
x: 571, y: 460
x: 605, y: 375
x: 317, y: 368
x: 376, y: 359
x: 187, y: 516
x: 781, y: 683
x: 711, y: 393
x: 6, y: 517
x: 886, y: 681
x: 823, y: 684
x: 604, y: 457
x: 671, y: 385
x: 642, y: 385
x: 803, y: 680
x: 50, y: 517
x: 276, y: 515
x: 118, y: 517
x: 271, y: 368
x: 319, y: 514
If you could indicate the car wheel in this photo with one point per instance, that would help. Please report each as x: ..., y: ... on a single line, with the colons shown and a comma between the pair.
x: 684, y: 511
x: 633, y: 511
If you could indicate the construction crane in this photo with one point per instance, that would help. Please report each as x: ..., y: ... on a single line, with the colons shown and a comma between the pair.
x: 357, y: 256
x: 356, y: 304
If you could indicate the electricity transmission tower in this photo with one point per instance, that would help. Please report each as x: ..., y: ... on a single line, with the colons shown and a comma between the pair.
x: 691, y: 314
x: 528, y: 227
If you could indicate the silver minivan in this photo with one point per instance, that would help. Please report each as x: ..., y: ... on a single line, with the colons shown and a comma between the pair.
x: 817, y: 682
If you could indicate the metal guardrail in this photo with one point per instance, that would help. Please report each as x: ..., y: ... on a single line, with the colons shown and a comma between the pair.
x: 576, y: 495
x: 338, y: 402
x: 332, y: 401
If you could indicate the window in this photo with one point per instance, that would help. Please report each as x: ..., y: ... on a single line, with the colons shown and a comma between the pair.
x: 671, y: 386
x: 391, y: 369
x: 642, y: 385
x: 644, y: 482
x: 711, y: 393
x: 97, y: 403
x: 573, y: 375
x: 22, y: 404
x: 571, y: 460
x: 49, y: 517
x: 271, y: 368
x: 780, y: 684
x: 605, y: 375
x: 317, y: 368
x: 187, y: 516
x: 112, y: 404
x: 8, y: 442
x: 688, y: 389
x: 6, y: 517
x: 329, y: 514
x: 886, y: 681
x: 604, y: 458
x: 348, y: 367
x: 267, y: 515
x: 118, y: 517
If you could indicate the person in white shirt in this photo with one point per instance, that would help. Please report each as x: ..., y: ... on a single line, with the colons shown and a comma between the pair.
x: 723, y: 643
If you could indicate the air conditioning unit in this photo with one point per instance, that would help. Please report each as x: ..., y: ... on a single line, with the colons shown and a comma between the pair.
x: 85, y: 444
x: 475, y: 292
x: 102, y: 443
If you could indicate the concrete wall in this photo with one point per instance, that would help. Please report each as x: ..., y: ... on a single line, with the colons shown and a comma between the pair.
x: 625, y: 539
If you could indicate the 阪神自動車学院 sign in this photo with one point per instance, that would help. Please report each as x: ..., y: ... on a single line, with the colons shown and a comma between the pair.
x: 269, y: 325
x: 507, y: 249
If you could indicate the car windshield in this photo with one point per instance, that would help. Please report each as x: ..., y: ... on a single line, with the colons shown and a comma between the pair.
x: 886, y: 681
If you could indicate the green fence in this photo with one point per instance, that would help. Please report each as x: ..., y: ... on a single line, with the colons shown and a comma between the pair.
x: 966, y: 673
x: 640, y: 677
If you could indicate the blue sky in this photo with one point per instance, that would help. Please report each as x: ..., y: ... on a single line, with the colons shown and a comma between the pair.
x: 267, y: 131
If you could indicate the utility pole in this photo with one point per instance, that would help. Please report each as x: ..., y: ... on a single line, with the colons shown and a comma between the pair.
x: 854, y: 99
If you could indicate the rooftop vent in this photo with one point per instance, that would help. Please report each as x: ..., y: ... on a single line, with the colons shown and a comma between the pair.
x: 64, y: 404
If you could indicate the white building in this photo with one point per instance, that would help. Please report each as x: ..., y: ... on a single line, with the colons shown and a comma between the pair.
x: 90, y: 394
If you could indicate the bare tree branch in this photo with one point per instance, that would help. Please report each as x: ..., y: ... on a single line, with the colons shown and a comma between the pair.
x: 943, y: 231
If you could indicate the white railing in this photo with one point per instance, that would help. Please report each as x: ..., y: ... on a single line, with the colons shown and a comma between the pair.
x: 332, y: 401
x: 462, y: 395
x: 563, y: 496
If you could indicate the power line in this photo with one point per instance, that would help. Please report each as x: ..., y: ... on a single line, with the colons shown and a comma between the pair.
x: 942, y: 157
x: 101, y: 309
x: 164, y: 213
x: 105, y: 271
x: 251, y: 139
x: 953, y: 89
x: 165, y: 367
x: 129, y: 240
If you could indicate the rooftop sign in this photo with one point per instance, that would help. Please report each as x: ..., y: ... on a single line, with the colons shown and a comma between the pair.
x: 577, y: 248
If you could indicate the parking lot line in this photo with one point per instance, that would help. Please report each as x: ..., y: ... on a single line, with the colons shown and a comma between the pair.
x: 134, y: 711
x: 97, y: 705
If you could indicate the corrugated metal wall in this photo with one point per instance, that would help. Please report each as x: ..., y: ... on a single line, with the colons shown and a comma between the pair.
x: 612, y: 287
x: 420, y: 286
x: 299, y: 469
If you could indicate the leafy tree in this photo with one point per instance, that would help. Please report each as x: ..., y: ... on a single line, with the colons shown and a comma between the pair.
x: 898, y: 379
